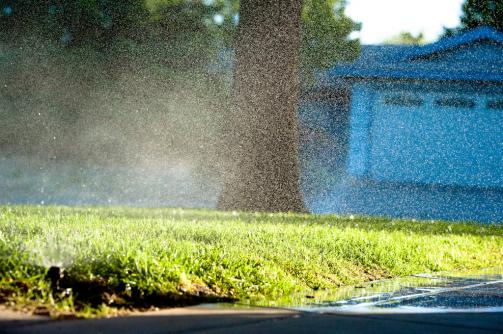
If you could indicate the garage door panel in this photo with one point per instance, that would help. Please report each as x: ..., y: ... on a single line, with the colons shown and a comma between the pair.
x: 431, y: 143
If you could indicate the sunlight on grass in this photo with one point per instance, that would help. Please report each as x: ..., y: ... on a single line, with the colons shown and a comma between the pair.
x: 138, y: 258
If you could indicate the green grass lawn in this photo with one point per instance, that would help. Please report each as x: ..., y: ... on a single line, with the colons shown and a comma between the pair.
x: 123, y: 258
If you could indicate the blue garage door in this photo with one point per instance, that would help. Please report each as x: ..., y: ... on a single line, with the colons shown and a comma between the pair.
x: 449, y: 139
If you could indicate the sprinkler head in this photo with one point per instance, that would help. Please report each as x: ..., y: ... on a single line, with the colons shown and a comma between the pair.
x: 54, y: 274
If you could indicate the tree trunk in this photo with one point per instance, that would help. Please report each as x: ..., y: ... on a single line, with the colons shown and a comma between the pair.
x: 265, y: 174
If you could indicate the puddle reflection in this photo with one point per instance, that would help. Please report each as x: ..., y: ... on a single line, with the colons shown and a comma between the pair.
x: 480, y: 291
x: 477, y: 292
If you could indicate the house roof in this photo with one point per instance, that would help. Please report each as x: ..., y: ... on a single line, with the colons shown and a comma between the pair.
x: 475, y: 55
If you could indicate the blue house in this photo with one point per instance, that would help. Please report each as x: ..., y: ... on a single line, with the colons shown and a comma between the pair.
x: 414, y: 131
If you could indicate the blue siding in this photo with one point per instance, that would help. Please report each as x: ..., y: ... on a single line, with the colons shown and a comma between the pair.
x: 359, y: 133
x: 363, y: 197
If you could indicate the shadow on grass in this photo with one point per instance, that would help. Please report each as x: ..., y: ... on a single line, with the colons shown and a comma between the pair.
x: 87, y: 294
x: 97, y: 292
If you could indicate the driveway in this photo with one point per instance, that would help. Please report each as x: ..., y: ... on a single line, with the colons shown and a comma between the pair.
x: 212, y: 319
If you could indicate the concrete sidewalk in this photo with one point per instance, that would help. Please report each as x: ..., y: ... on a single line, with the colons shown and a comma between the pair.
x: 213, y: 319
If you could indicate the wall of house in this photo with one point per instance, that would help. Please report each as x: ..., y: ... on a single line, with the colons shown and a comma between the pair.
x: 357, y: 196
x: 398, y: 165
x: 362, y: 97
x: 323, y: 125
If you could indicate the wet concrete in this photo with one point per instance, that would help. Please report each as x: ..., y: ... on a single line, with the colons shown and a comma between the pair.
x: 477, y: 292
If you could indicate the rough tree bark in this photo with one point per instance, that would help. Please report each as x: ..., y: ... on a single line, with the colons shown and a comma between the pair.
x: 265, y: 174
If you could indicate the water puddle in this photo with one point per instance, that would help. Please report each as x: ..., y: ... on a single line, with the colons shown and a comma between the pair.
x: 426, y: 293
x: 480, y: 291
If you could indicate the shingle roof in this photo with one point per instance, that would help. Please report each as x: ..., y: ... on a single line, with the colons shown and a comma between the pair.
x: 468, y: 37
x: 425, y: 62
